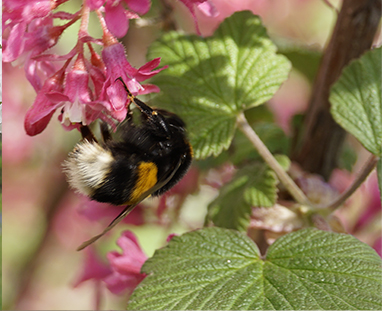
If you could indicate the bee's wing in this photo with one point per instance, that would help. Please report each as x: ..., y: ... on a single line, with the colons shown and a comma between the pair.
x: 129, y: 208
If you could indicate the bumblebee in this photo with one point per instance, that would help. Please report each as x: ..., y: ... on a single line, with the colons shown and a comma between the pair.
x: 148, y: 160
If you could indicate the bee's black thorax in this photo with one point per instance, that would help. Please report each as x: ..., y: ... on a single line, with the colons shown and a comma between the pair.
x: 161, y: 145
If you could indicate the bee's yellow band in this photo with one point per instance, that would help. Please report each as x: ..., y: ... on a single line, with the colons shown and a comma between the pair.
x: 147, y: 178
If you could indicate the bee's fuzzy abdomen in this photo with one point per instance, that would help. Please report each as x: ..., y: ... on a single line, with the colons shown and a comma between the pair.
x: 87, y: 167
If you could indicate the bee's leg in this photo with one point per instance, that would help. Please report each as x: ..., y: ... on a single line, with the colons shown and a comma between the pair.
x: 116, y: 220
x: 87, y: 134
x: 106, y: 135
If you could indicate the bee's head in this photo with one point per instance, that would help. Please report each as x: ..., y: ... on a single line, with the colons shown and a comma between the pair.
x: 162, y: 123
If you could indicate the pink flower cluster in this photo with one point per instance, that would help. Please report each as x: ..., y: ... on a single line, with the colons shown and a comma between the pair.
x: 82, y: 89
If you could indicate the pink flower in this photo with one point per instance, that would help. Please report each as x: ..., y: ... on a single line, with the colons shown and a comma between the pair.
x: 26, y: 11
x: 31, y: 37
x: 372, y: 207
x: 126, y: 267
x: 121, y: 274
x: 77, y: 99
x: 96, y: 270
x: 114, y: 57
x: 39, y: 115
x: 205, y: 6
x: 88, y: 91
x: 73, y: 96
x: 187, y: 185
x: 116, y: 16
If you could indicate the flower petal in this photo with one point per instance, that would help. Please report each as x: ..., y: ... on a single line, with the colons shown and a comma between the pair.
x: 116, y: 19
x: 139, y: 6
x: 15, y: 43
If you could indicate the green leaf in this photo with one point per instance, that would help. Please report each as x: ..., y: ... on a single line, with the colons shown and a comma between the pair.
x: 357, y: 102
x: 220, y: 269
x: 253, y: 185
x: 211, y: 80
x: 304, y: 59
x: 313, y: 269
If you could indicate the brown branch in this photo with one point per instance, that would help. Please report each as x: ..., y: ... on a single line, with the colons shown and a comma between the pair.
x: 322, y: 137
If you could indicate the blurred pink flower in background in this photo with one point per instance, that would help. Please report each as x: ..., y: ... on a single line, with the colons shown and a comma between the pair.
x: 126, y: 267
x: 96, y: 211
x: 121, y: 274
x: 95, y: 270
x: 361, y: 213
x: 187, y: 185
x: 207, y: 7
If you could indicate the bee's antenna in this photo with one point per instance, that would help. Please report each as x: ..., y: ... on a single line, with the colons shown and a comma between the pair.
x: 129, y: 95
x: 141, y: 105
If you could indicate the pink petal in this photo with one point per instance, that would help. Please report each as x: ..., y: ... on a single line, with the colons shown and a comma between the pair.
x: 132, y: 258
x: 15, y: 43
x: 57, y: 97
x: 39, y: 114
x: 117, y: 95
x: 94, y: 268
x: 139, y: 6
x: 31, y: 74
x: 149, y: 88
x: 145, y: 72
x: 94, y: 4
x: 118, y: 283
x: 116, y: 20
x: 150, y: 65
x: 208, y: 9
x: 169, y: 238
x: 34, y: 128
x: 63, y: 15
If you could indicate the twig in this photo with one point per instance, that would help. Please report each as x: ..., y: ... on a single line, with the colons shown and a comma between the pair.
x: 360, y: 178
x: 331, y: 6
x: 284, y: 178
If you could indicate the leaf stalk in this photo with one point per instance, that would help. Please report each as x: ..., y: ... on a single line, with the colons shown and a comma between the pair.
x: 284, y: 178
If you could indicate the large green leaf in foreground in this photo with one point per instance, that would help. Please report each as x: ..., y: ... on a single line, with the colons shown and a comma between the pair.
x: 221, y: 269
x: 211, y: 80
x: 356, y: 100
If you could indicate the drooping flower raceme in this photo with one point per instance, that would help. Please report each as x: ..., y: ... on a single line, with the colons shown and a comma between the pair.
x: 87, y: 89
